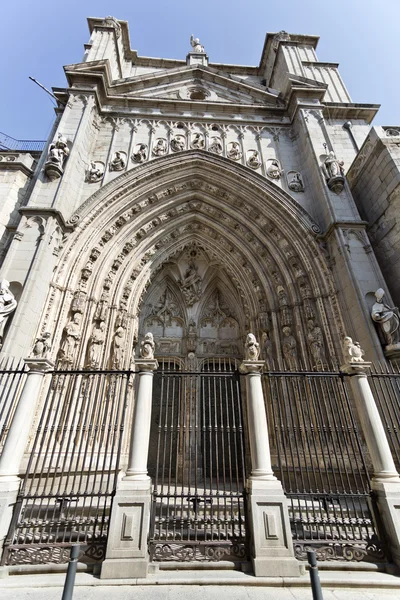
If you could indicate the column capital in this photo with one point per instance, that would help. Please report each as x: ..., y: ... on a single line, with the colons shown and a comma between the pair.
x: 146, y: 364
x: 251, y: 366
x: 39, y: 365
x: 356, y: 368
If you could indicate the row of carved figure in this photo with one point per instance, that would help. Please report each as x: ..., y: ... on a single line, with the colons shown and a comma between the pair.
x: 59, y: 151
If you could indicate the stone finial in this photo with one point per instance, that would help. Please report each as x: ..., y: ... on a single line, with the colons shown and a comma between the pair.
x: 252, y: 348
x: 147, y: 347
x: 352, y: 351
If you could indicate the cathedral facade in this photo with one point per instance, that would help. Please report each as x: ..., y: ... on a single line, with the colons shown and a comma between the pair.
x: 178, y: 206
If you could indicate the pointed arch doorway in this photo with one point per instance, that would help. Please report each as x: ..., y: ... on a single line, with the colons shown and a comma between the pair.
x: 197, y: 441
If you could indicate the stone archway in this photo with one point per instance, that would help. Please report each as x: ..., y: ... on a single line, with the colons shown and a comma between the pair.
x: 255, y: 238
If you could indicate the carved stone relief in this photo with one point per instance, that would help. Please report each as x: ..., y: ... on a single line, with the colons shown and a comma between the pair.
x: 178, y: 143
x: 295, y: 181
x: 198, y: 142
x: 215, y: 145
x: 160, y: 147
x: 95, y: 172
x: 118, y: 162
x: 234, y: 151
x: 140, y: 153
x: 253, y: 159
x: 273, y: 169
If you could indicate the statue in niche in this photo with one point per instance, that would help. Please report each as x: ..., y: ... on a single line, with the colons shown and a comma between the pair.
x: 388, y: 319
x: 8, y: 304
x: 274, y: 170
x: 195, y: 43
x: 178, y: 143
x: 72, y: 335
x: 102, y: 307
x: 268, y: 350
x: 118, y: 348
x: 289, y: 349
x: 78, y: 301
x: 42, y: 345
x: 140, y: 154
x: 264, y: 321
x: 147, y: 347
x: 160, y: 147
x: 352, y: 351
x: 234, y: 151
x: 296, y: 183
x: 252, y: 348
x: 190, y: 284
x: 333, y: 167
x: 95, y: 172
x: 96, y: 342
x: 192, y: 336
x: 118, y: 162
x: 198, y: 141
x: 316, y: 342
x: 58, y: 151
x: 215, y: 145
x: 253, y: 159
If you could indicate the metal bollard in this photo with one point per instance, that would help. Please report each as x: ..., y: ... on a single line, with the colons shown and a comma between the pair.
x: 315, y: 582
x: 71, y: 572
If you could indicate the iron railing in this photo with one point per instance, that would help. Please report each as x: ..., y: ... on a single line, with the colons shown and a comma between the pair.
x: 9, y: 143
x: 197, y: 460
x: 66, y: 493
x: 385, y: 384
x: 321, y: 459
x: 12, y: 379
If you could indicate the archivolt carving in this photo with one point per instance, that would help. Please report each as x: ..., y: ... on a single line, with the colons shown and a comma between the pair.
x: 253, y: 234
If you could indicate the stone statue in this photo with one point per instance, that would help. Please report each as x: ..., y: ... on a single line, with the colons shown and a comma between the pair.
x: 251, y: 348
x: 296, y: 184
x: 289, y: 349
x: 72, y: 333
x: 234, y: 151
x: 333, y: 167
x: 190, y: 284
x: 352, y: 351
x: 160, y: 147
x: 78, y: 301
x: 141, y: 153
x: 274, y: 170
x: 147, y: 347
x: 8, y: 304
x: 58, y: 151
x: 118, y: 163
x: 268, y: 350
x: 95, y: 172
x: 253, y: 160
x: 178, y: 143
x: 195, y: 43
x: 96, y: 342
x: 388, y: 319
x: 316, y: 342
x: 118, y: 348
x: 198, y: 142
x: 42, y: 345
x: 216, y: 145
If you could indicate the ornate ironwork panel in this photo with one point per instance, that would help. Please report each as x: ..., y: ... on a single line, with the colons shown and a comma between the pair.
x: 320, y: 456
x: 198, y: 466
x: 66, y: 494
x: 12, y: 379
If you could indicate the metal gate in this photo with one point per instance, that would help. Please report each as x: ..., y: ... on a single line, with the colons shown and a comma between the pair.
x: 197, y: 461
x: 66, y: 493
x: 321, y: 459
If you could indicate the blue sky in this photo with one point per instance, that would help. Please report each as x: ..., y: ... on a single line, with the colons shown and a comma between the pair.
x: 38, y: 38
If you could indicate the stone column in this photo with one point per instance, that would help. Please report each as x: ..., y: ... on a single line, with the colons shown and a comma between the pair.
x: 127, y: 554
x: 271, y: 540
x: 15, y: 444
x: 385, y: 482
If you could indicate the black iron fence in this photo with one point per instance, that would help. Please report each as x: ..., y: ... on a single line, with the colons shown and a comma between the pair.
x: 66, y: 493
x: 12, y: 379
x: 320, y: 456
x: 197, y: 460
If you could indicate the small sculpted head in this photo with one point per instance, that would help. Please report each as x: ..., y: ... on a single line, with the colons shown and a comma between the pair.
x: 379, y: 294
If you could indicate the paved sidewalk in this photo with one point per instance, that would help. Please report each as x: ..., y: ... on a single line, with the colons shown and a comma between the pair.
x: 196, y: 585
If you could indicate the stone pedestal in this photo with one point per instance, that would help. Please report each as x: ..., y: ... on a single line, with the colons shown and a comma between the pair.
x: 272, y: 544
x: 127, y: 554
x: 272, y: 552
